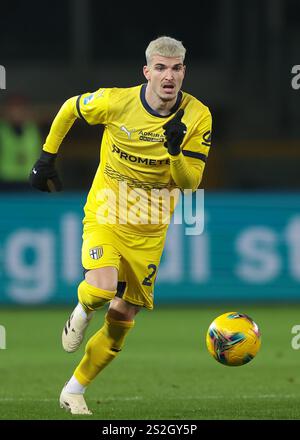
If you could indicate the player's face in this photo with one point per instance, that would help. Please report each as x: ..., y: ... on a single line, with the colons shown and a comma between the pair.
x: 165, y: 76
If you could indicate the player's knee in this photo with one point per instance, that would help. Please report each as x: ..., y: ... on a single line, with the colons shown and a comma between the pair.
x: 92, y: 297
x: 105, y: 278
x: 121, y: 310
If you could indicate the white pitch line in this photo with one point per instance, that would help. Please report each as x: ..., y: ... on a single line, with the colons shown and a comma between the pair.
x: 259, y: 396
x: 135, y: 398
x: 30, y: 399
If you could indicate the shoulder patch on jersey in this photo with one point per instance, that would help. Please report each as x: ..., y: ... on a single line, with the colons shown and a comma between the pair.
x: 207, y: 138
x: 88, y: 99
x: 100, y: 93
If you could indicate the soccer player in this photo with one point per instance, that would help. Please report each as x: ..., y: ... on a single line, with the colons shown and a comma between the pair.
x: 156, y: 138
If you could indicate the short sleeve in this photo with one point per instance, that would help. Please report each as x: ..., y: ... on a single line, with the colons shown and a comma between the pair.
x: 93, y: 107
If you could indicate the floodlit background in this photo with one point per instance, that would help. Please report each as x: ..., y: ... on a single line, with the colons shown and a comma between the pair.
x: 242, y: 61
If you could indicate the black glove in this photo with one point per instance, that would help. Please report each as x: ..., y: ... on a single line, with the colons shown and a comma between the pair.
x: 43, y: 175
x: 175, y: 131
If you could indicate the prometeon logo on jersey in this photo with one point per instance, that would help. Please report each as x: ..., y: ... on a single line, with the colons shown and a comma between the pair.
x: 144, y: 160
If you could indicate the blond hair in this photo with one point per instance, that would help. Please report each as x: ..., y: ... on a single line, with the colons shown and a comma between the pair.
x: 166, y: 47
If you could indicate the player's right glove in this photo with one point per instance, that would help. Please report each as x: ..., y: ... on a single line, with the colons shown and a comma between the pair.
x: 175, y: 131
x: 43, y: 175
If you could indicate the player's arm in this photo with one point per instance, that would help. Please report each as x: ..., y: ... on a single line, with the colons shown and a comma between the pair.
x: 186, y: 166
x: 92, y: 108
x: 185, y: 175
x: 43, y: 175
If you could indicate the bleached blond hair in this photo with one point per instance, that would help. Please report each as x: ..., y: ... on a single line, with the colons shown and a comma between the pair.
x: 166, y: 47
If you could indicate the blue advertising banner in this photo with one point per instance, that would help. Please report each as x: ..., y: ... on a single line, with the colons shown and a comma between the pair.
x: 249, y: 250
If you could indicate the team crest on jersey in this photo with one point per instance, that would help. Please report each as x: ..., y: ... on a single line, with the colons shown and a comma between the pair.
x: 96, y: 253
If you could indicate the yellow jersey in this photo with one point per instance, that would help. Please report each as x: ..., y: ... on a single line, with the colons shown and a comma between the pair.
x: 133, y: 159
x: 134, y: 187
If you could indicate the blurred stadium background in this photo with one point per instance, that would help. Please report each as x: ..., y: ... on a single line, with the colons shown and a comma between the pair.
x: 239, y: 61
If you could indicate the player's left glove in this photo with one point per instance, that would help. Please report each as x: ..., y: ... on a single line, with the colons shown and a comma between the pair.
x: 175, y: 131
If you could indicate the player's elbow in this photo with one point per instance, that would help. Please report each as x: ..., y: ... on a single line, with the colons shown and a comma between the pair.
x: 196, y: 182
x: 195, y: 177
x: 196, y: 186
x: 198, y: 178
x: 191, y: 185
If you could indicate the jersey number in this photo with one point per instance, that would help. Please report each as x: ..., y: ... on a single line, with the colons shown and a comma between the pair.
x: 147, y: 280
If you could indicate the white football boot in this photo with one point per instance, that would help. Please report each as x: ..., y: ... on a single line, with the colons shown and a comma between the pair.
x: 73, y: 403
x: 74, y: 329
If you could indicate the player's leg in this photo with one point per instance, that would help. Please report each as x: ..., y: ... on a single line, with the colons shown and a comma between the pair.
x: 140, y: 260
x: 100, y: 350
x: 121, y: 310
x: 98, y: 254
x: 107, y: 343
x: 98, y: 288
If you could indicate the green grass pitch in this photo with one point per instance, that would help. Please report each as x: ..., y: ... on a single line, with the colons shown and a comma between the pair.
x: 163, y: 373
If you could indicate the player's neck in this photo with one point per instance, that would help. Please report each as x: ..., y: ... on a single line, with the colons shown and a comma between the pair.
x: 157, y: 104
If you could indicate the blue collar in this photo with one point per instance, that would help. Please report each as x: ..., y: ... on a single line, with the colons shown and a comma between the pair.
x: 153, y: 112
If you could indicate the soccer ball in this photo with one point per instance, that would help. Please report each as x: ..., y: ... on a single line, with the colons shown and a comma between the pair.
x: 233, y: 339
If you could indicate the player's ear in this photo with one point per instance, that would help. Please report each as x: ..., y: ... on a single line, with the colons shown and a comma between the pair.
x: 146, y: 72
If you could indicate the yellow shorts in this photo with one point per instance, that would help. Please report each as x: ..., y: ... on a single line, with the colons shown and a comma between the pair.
x: 136, y: 258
